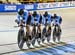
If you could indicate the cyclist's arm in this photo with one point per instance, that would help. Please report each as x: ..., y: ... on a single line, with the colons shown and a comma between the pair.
x: 60, y: 20
x: 18, y: 17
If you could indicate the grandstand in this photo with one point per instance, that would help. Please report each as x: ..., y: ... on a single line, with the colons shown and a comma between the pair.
x: 38, y: 1
x: 31, y: 1
x: 9, y: 1
x: 41, y: 1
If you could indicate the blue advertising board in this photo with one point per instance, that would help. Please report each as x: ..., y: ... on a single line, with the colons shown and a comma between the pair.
x: 14, y: 7
x: 35, y: 6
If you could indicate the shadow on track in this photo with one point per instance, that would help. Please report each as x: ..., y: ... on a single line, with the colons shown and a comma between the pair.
x: 8, y: 44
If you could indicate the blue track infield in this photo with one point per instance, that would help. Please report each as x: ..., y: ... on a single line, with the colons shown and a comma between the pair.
x: 57, y: 50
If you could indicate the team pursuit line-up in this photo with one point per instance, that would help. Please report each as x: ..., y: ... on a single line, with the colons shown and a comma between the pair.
x: 41, y: 24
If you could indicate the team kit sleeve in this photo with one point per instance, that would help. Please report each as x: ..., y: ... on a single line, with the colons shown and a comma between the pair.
x: 25, y: 16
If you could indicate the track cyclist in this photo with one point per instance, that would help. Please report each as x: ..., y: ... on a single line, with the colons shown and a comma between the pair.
x: 56, y: 22
x: 35, y: 23
x: 22, y: 15
x: 46, y: 33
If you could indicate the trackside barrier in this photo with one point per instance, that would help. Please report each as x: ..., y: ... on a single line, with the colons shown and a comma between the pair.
x: 14, y: 7
x: 35, y: 6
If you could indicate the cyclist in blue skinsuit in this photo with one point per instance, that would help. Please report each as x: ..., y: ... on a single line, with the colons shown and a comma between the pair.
x: 47, y: 22
x: 46, y: 18
x: 35, y: 18
x: 22, y: 15
x: 57, y: 20
x: 35, y: 22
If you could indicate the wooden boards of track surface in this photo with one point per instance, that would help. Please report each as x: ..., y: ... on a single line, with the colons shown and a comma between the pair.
x: 45, y: 45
